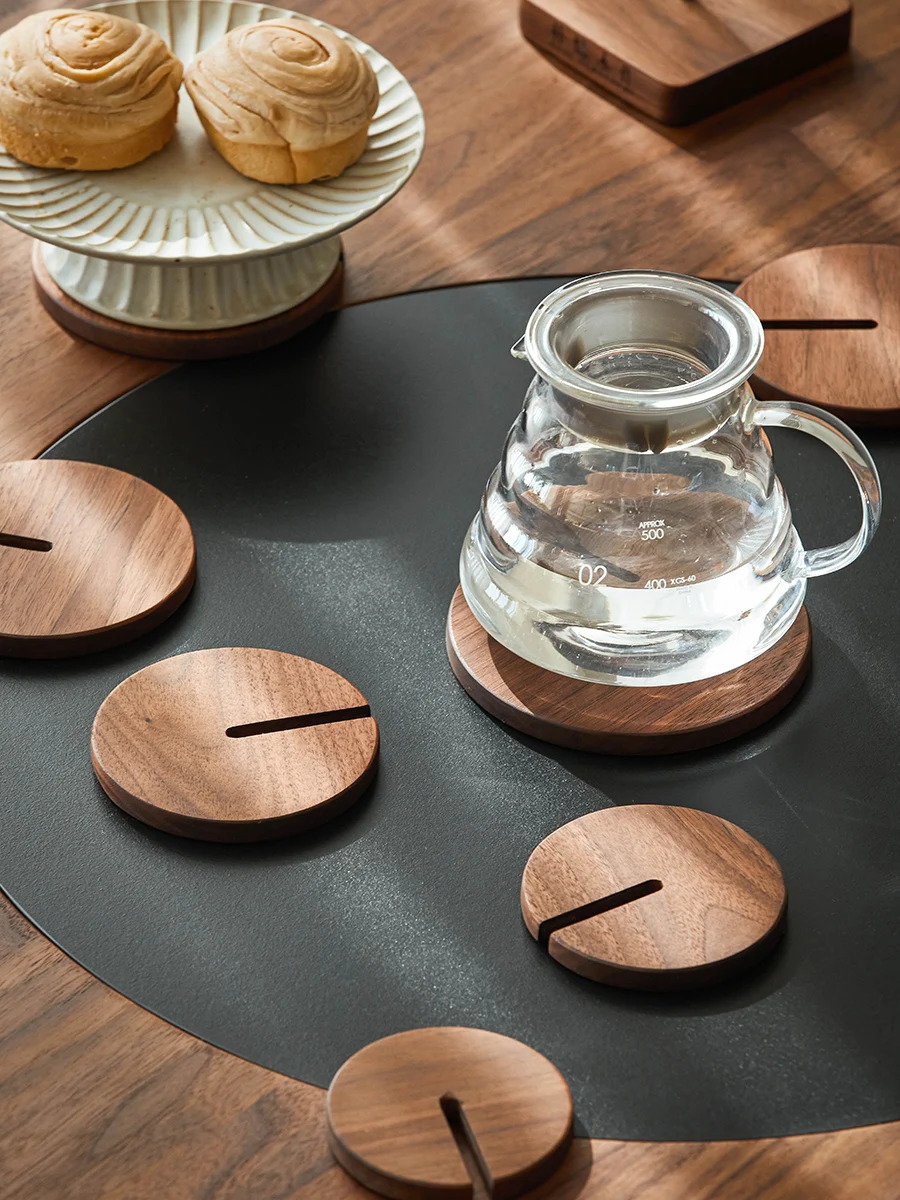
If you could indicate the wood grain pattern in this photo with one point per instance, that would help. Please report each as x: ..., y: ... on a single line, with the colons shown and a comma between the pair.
x: 388, y: 1127
x: 49, y: 380
x: 171, y: 344
x: 679, y: 61
x: 718, y: 905
x: 624, y: 720
x: 523, y: 174
x: 508, y: 188
x: 114, y: 558
x: 853, y: 372
x: 100, y: 1100
x: 234, y: 745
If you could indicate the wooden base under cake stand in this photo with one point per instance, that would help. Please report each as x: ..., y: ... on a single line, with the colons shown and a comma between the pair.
x: 175, y: 344
x: 624, y: 720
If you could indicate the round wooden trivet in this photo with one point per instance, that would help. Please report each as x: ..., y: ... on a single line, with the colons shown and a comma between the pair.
x: 624, y: 720
x: 832, y: 322
x: 234, y: 745
x: 424, y: 1114
x: 177, y: 345
x: 653, y: 897
x: 89, y: 557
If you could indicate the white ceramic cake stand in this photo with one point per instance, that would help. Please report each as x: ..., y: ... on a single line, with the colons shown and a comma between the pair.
x: 182, y: 242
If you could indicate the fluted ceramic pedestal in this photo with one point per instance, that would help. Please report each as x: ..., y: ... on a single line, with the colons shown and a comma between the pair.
x: 189, y: 312
x: 180, y: 256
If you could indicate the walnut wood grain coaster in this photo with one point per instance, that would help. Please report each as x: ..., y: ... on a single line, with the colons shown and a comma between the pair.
x: 89, y: 557
x: 832, y: 321
x: 624, y: 720
x: 653, y: 897
x: 680, y: 60
x: 234, y: 745
x: 448, y: 1113
x: 174, y: 344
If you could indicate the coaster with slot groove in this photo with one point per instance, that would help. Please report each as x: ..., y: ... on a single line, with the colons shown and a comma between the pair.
x: 448, y: 1113
x: 624, y: 720
x: 89, y: 557
x: 832, y: 321
x: 234, y: 745
x: 653, y: 897
x: 678, y: 60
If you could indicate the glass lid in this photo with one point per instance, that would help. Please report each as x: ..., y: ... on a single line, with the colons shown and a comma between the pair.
x: 643, y: 340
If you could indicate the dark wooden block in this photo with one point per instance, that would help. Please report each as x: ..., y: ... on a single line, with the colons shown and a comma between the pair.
x: 680, y: 60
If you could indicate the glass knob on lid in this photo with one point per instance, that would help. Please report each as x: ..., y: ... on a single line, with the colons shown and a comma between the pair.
x: 634, y: 531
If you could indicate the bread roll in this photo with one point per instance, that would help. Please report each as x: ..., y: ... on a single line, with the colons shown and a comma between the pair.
x: 85, y: 90
x: 284, y: 101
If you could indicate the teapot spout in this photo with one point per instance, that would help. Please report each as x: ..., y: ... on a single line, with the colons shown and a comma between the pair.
x: 518, y: 350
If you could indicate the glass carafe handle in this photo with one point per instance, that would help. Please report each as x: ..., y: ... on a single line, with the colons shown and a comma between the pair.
x: 844, y: 442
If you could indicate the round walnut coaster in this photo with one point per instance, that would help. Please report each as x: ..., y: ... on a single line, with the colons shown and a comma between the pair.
x: 234, y: 745
x: 652, y: 897
x: 177, y: 345
x: 623, y: 720
x: 437, y: 1114
x: 89, y: 558
x: 832, y: 321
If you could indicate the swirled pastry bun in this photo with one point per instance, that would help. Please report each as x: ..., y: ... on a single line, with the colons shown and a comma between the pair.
x: 85, y: 90
x: 284, y: 101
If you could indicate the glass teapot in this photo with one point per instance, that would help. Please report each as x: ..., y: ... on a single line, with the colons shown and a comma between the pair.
x: 634, y: 531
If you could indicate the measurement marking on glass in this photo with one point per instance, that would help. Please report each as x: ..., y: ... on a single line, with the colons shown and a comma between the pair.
x: 302, y: 722
x: 24, y: 543
x: 611, y: 569
x: 587, y: 574
x: 655, y: 585
x: 652, y: 531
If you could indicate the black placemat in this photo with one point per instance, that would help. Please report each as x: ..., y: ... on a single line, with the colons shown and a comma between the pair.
x: 330, y: 483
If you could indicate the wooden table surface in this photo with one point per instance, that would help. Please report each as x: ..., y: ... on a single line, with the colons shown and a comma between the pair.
x: 526, y: 173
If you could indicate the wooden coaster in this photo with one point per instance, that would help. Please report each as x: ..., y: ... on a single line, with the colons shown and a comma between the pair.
x: 624, y: 720
x: 177, y: 345
x: 234, y: 745
x: 89, y: 558
x: 652, y: 897
x: 427, y: 1114
x: 832, y: 321
x: 678, y: 60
